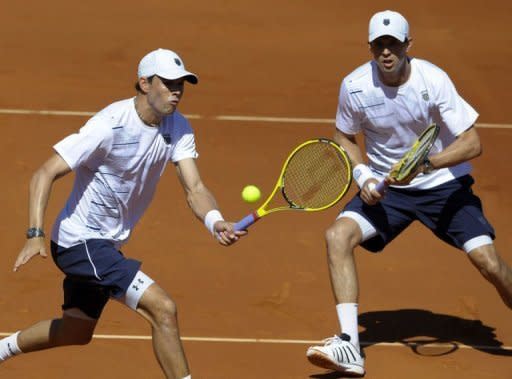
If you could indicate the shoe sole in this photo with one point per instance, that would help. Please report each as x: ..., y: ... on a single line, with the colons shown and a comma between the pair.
x: 321, y: 360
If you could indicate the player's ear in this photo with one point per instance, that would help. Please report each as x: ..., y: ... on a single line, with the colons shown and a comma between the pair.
x: 409, y: 44
x: 144, y: 84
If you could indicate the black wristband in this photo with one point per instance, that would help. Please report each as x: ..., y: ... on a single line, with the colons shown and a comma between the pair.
x: 34, y: 232
x: 427, y: 166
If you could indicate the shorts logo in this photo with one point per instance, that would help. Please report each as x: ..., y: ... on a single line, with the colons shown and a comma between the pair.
x: 136, y: 287
x: 177, y: 61
x: 386, y: 21
x: 424, y: 95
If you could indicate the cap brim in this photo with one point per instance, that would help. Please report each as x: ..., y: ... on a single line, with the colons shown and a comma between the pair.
x: 188, y: 76
x: 192, y: 79
x: 401, y: 37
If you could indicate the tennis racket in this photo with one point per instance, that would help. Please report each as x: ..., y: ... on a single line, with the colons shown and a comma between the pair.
x: 315, y: 176
x: 413, y: 158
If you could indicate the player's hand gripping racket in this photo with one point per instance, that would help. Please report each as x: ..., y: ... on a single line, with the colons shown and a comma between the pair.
x: 315, y: 176
x: 413, y: 158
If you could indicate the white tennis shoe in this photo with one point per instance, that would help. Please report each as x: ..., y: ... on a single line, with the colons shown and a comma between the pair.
x: 338, y: 354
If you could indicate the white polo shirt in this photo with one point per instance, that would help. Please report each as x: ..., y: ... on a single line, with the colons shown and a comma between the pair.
x: 118, y: 161
x: 392, y: 118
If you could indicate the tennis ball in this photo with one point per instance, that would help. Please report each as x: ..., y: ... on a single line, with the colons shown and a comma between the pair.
x: 251, y: 194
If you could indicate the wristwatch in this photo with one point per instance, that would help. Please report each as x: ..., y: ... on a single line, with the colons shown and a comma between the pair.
x: 427, y: 166
x: 35, y: 232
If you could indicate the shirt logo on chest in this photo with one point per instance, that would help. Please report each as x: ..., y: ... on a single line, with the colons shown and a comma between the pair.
x: 424, y: 95
x: 167, y: 138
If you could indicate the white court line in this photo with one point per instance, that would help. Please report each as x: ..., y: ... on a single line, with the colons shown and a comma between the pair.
x: 296, y: 120
x: 289, y: 341
x: 493, y: 126
x: 62, y: 113
x: 45, y: 112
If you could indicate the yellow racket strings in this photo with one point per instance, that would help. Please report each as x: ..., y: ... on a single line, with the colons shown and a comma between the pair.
x: 316, y: 176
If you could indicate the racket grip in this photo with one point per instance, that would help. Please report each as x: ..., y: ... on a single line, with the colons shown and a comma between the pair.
x: 247, y: 221
x: 381, y: 187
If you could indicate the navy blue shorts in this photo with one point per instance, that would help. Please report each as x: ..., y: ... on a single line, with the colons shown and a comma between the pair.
x: 95, y: 272
x: 451, y: 210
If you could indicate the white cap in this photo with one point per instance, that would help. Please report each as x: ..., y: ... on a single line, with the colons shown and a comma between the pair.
x: 388, y: 23
x: 166, y: 64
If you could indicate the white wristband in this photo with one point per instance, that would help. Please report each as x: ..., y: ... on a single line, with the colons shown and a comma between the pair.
x: 361, y: 174
x: 211, y: 218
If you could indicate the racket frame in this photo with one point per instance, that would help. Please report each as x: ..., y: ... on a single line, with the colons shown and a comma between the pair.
x: 252, y: 217
x: 382, y: 186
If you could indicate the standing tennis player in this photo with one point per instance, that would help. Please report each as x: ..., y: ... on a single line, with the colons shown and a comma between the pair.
x: 118, y: 158
x: 391, y: 100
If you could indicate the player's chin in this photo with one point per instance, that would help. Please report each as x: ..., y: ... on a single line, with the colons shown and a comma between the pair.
x: 170, y: 109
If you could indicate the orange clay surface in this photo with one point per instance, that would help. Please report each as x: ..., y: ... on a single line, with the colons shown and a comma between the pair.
x: 254, y: 58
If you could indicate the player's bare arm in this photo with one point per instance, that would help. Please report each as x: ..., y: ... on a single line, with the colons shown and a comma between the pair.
x: 40, y: 188
x: 349, y: 143
x: 466, y: 147
x: 202, y: 201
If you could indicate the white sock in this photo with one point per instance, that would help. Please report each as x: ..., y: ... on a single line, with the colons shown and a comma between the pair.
x: 347, y: 316
x: 9, y: 347
x: 188, y: 377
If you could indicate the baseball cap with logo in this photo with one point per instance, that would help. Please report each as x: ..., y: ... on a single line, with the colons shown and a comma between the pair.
x: 166, y: 64
x: 388, y: 23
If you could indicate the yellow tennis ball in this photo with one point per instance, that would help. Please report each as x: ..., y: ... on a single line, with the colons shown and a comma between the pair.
x: 251, y: 194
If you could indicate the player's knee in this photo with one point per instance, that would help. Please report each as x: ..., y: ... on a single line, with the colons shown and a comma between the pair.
x: 157, y: 307
x: 166, y: 312
x: 488, y: 262
x: 332, y: 236
x: 340, y: 235
x: 491, y: 269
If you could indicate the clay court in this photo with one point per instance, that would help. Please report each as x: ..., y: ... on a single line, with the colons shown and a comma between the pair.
x: 269, y: 77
